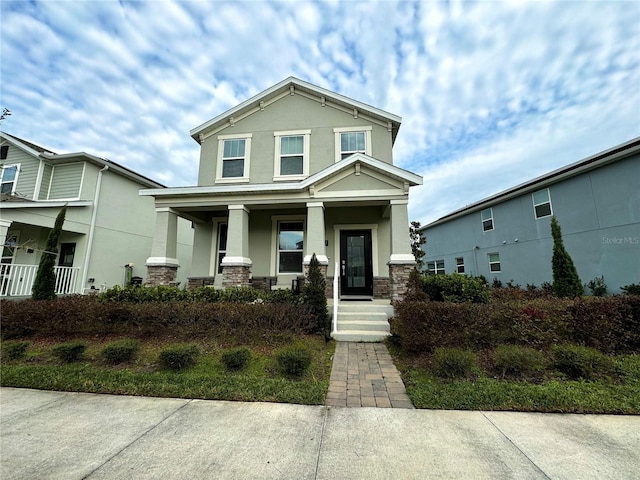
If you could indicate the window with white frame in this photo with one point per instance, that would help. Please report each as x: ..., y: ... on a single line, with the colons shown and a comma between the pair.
x: 494, y: 262
x: 291, y: 154
x: 436, y: 267
x: 487, y: 219
x: 9, y: 247
x: 222, y: 244
x: 233, y: 158
x: 9, y: 179
x: 460, y: 264
x: 350, y: 140
x: 542, y: 203
x: 290, y: 246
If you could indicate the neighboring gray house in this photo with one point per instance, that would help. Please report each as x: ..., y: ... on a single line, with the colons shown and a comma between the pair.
x: 108, y: 225
x: 508, y: 235
x: 293, y: 171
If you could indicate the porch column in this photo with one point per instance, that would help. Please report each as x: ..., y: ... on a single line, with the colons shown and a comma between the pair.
x: 236, y: 265
x: 315, y: 241
x: 402, y: 260
x: 4, y: 230
x: 162, y: 265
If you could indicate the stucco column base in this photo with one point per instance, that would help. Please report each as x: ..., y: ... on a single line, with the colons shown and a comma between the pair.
x: 235, y: 275
x: 398, y: 278
x: 161, y: 274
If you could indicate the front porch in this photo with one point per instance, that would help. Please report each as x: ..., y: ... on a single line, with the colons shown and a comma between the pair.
x: 17, y: 280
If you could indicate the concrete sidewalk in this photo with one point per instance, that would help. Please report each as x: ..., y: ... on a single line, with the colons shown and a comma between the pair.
x: 51, y: 435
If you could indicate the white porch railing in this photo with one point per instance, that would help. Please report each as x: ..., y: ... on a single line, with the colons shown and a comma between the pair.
x: 17, y: 280
x: 336, y: 276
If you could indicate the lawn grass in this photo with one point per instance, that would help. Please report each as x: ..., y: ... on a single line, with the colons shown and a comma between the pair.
x: 208, y: 379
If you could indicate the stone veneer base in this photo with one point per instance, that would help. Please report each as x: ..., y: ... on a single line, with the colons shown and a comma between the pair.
x: 398, y: 278
x: 161, y: 275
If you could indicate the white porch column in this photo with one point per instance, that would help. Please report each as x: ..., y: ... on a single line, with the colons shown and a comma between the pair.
x: 402, y: 260
x: 4, y: 230
x: 236, y: 265
x: 315, y: 242
x: 162, y: 265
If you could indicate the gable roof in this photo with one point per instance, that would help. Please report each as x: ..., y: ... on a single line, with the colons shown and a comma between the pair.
x: 293, y: 86
x: 52, y: 157
x: 593, y: 162
x: 237, y: 189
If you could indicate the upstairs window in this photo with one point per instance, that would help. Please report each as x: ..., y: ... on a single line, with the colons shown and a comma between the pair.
x: 487, y: 219
x: 233, y: 158
x: 436, y: 267
x: 460, y: 265
x: 9, y: 178
x: 291, y: 155
x: 350, y: 140
x: 542, y: 203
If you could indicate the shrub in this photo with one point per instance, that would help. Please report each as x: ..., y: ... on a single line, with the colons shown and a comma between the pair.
x: 580, y: 362
x: 631, y: 289
x: 120, y: 351
x: 314, y: 294
x: 69, y: 352
x: 236, y: 358
x: 518, y: 361
x: 455, y: 288
x: 12, y: 350
x: 178, y: 357
x: 566, y: 282
x: 597, y: 287
x: 452, y: 363
x: 44, y: 285
x: 293, y: 361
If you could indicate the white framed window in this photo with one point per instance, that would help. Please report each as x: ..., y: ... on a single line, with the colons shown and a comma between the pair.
x: 487, y: 219
x: 494, y: 262
x: 436, y: 267
x: 9, y: 179
x: 234, y: 152
x: 9, y: 247
x: 542, y: 203
x: 223, y: 229
x: 291, y: 155
x: 460, y: 264
x: 350, y: 140
x: 290, y: 246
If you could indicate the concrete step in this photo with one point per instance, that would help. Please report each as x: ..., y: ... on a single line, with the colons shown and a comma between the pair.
x: 348, y: 307
x: 363, y: 325
x: 359, y: 336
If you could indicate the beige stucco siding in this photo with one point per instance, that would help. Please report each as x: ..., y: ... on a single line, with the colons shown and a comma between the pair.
x: 66, y: 181
x: 289, y: 114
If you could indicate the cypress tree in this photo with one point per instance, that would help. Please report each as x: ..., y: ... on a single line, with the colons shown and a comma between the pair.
x: 566, y: 282
x: 44, y: 286
x: 314, y: 295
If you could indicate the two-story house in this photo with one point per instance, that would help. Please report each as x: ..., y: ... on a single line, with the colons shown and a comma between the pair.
x: 108, y: 227
x: 508, y: 236
x: 294, y: 171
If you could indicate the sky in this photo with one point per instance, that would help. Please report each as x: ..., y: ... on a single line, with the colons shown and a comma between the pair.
x: 491, y: 93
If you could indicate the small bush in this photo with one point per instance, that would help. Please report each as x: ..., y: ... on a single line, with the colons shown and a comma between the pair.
x: 452, y: 363
x: 120, y: 351
x: 631, y: 289
x: 581, y: 362
x: 518, y: 361
x: 597, y: 287
x: 293, y: 361
x: 178, y: 357
x: 236, y: 359
x: 455, y: 288
x: 69, y: 352
x: 12, y: 350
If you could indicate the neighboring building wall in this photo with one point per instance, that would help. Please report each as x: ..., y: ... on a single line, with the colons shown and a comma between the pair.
x: 599, y: 212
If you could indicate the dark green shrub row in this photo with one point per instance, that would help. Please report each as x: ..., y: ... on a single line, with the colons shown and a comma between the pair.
x: 77, y: 316
x: 70, y: 351
x: 12, y: 350
x: 525, y: 363
x: 609, y: 324
x: 142, y: 294
x: 120, y: 351
x: 236, y: 358
x: 178, y: 357
x: 455, y: 288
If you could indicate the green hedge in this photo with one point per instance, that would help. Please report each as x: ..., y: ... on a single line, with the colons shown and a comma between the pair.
x: 77, y: 316
x: 610, y: 324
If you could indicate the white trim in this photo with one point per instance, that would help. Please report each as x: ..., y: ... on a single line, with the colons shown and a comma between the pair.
x: 402, y: 258
x: 499, y: 262
x: 229, y: 261
x: 15, y: 180
x: 482, y: 220
x: 337, y: 133
x: 246, y: 161
x: 162, y: 262
x: 215, y: 248
x: 322, y: 259
x: 275, y: 219
x: 238, y: 206
x: 533, y: 200
x: 354, y: 226
x: 47, y: 204
x: 36, y: 188
x: 306, y: 145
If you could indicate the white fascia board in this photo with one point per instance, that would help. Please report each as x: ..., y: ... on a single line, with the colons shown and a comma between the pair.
x: 321, y: 92
x: 19, y: 144
x: 47, y: 204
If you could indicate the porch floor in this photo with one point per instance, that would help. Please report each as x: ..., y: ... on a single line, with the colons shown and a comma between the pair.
x: 363, y: 375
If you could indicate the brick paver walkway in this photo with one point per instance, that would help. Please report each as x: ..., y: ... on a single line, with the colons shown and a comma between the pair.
x: 363, y: 375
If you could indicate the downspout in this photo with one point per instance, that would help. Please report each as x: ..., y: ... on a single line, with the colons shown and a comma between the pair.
x: 92, y: 227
